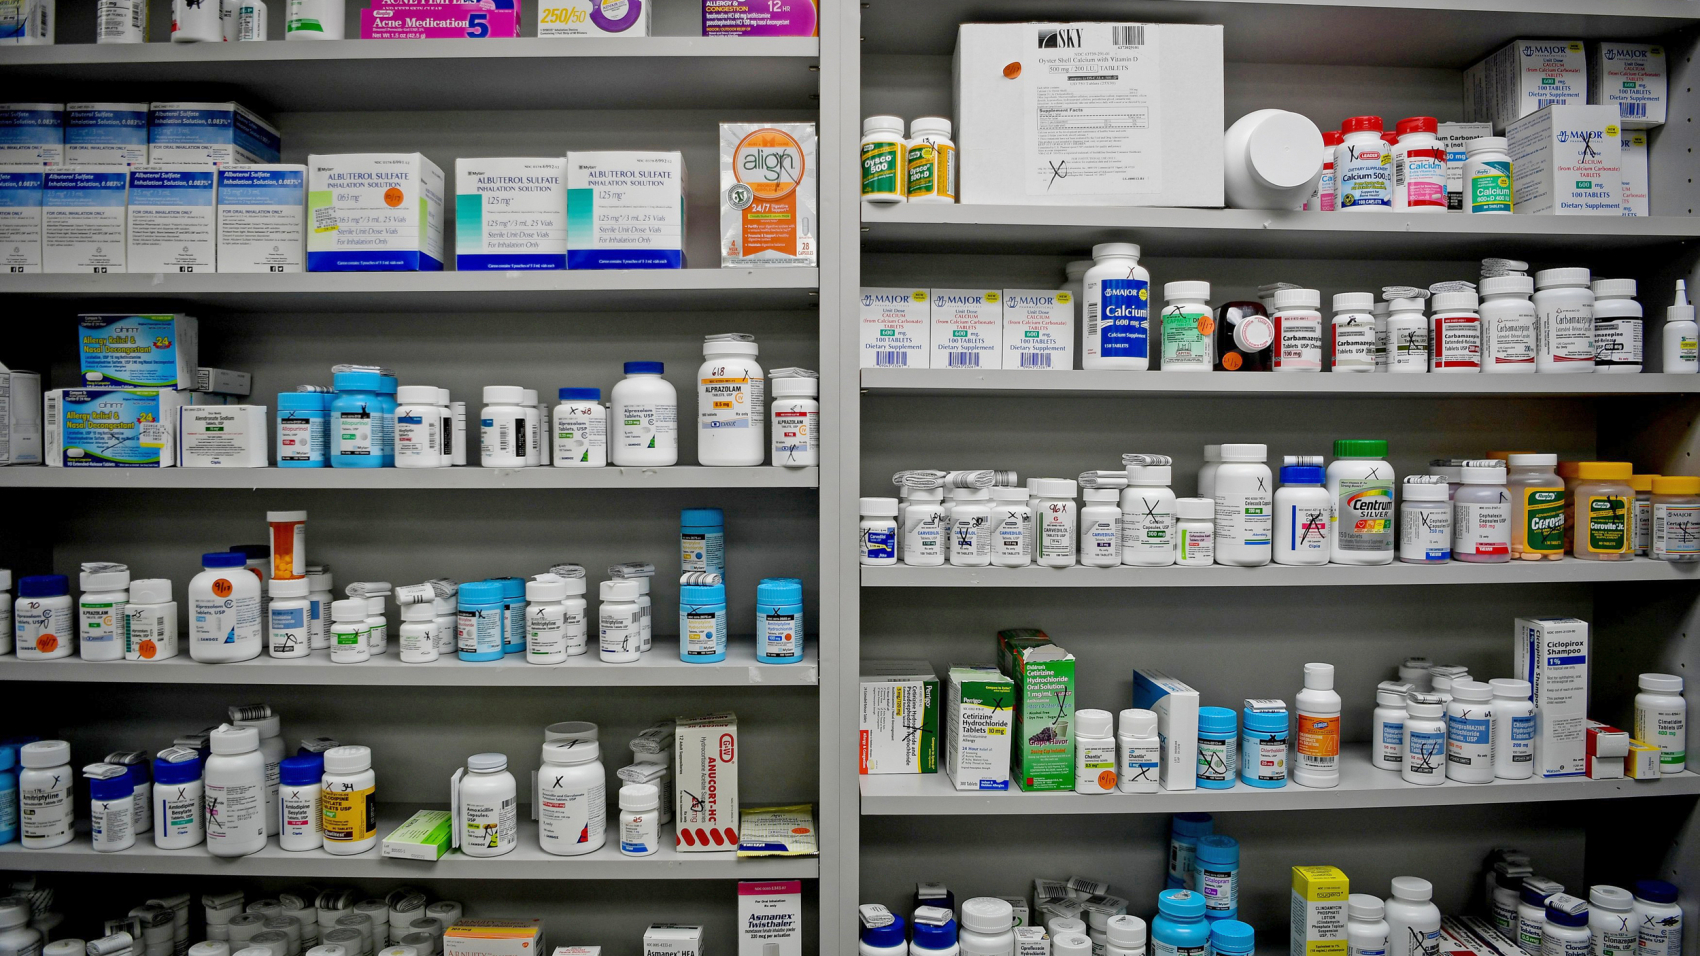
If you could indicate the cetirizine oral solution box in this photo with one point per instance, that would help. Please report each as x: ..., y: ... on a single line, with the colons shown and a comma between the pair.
x: 32, y: 133
x: 170, y: 226
x: 209, y: 133
x: 262, y: 218
x: 82, y: 218
x: 20, y: 218
x: 106, y: 133
x: 896, y: 328
x: 510, y: 214
x: 625, y: 210
x: 374, y: 212
x: 1552, y: 655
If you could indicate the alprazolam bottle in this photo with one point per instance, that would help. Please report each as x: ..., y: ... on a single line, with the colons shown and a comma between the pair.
x: 1360, y: 481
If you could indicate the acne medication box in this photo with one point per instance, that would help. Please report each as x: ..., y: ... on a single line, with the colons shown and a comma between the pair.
x: 262, y: 218
x: 222, y: 436
x: 977, y: 726
x: 21, y: 411
x: 374, y: 212
x: 106, y: 133
x: 440, y: 19
x: 510, y: 214
x: 770, y: 918
x: 20, y: 218
x: 1318, y: 925
x: 82, y: 218
x: 170, y: 219
x: 671, y: 939
x: 1176, y: 707
x: 1552, y: 655
x: 900, y: 718
x: 760, y: 18
x: 1632, y: 77
x: 118, y: 427
x: 32, y: 133
x: 896, y: 328
x: 1042, y: 753
x: 769, y: 202
x: 209, y: 133
x: 494, y: 937
x: 143, y: 351
x: 625, y: 210
x: 1038, y: 328
x: 1567, y: 161
x: 1636, y: 192
x: 705, y: 751
x: 593, y: 18
x: 1455, y: 139
x: 967, y: 328
x: 1525, y: 76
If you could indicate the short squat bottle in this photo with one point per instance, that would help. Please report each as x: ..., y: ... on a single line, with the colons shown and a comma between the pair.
x: 988, y: 927
x: 1481, y: 515
x: 878, y: 533
x: 1230, y: 937
x: 1661, y: 719
x: 1407, y: 337
x: 1618, y: 339
x: 1180, y: 928
x: 347, y: 798
x: 572, y: 793
x: 1366, y: 926
x: 1413, y: 921
x: 640, y: 819
x: 224, y: 610
x: 1676, y: 519
x: 1565, y: 932
x: 1195, y: 532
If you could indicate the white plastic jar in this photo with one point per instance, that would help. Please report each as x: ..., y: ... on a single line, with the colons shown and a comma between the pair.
x: 48, y: 817
x: 1387, y: 726
x: 347, y: 796
x: 1195, y: 532
x: 1659, y: 917
x: 533, y: 427
x: 502, y: 427
x: 224, y: 610
x: 1455, y: 333
x: 970, y: 531
x: 1564, y: 312
x: 1507, y: 324
x: 1351, y: 340
x: 418, y: 634
x: 1419, y: 166
x: 1413, y: 921
x: 1361, y: 488
x: 235, y: 788
x: 619, y: 622
x: 882, y: 155
x: 1487, y: 176
x: 731, y: 402
x: 43, y: 624
x: 489, y: 800
x: 1302, y: 510
x: 1298, y: 330
x: 348, y: 632
x: 270, y: 728
x: 1618, y: 339
x: 446, y: 428
x: 926, y: 528
x: 1366, y: 926
x: 1425, y: 740
x: 644, y: 413
x: 1481, y: 515
x: 1100, y: 528
x: 1094, y: 751
x: 1565, y: 932
x: 17, y: 938
x: 1661, y: 719
x: 1207, y: 471
x: 1611, y: 920
x: 1056, y: 523
x: 179, y: 799
x: 100, y: 611
x: 1425, y: 523
x: 1244, y: 506
x: 1011, y: 528
x: 987, y: 927
x: 1148, y: 517
x: 1270, y: 160
x: 1116, y: 309
x: 111, y: 810
x: 580, y: 429
x: 796, y: 422
x: 546, y: 620
x: 1407, y: 336
x: 1469, y: 732
x: 289, y: 628
x: 1187, y: 343
x: 572, y: 805
x: 418, y: 427
x: 640, y: 827
x: 1513, y: 729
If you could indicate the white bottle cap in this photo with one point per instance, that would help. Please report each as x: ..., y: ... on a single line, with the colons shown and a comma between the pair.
x: 1281, y: 149
x: 285, y: 588
x: 929, y: 124
x: 970, y: 494
x: 1195, y: 509
x: 503, y: 395
x: 795, y: 387
x: 1506, y: 285
x: 268, y: 726
x: 1425, y: 491
x: 1245, y: 452
x: 1462, y: 301
x: 1487, y: 144
x: 716, y: 345
x: 44, y: 754
x: 1484, y: 474
x: 988, y: 914
x: 477, y: 763
x: 1547, y: 278
x: 1471, y: 690
x: 1002, y: 493
x: 5, y: 579
x: 1405, y: 305
x: 1392, y: 693
x: 1212, y: 452
x: 572, y: 752
x: 1101, y: 494
x: 351, y: 609
x: 570, y: 730
x: 442, y: 396
x: 418, y: 612
x: 1412, y: 888
x: 546, y: 589
x: 1071, y: 944
x: 102, y: 576
x: 1354, y: 301
x: 1077, y: 269
x: 1125, y: 931
x: 879, y: 507
x: 1297, y: 299
x: 350, y: 759
x: 1622, y: 288
x: 1511, y: 688
x: 1104, y: 250
x: 415, y: 395
x: 1094, y: 723
x: 213, y: 947
x: 624, y: 589
x: 150, y: 591
x: 1150, y: 476
x: 228, y: 740
x: 1680, y: 310
x: 1661, y: 683
x: 639, y: 796
x: 1609, y: 897
x: 1527, y: 459
x: 1186, y: 289
x: 1365, y: 906
x: 1058, y: 925
x: 1138, y: 723
x: 882, y: 124
x: 1054, y: 487
x: 1319, y: 677
x: 320, y: 580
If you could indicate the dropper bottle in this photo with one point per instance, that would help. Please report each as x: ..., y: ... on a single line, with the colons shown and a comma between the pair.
x: 1681, y: 334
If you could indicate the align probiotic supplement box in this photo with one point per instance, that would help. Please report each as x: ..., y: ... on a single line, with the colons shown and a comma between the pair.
x: 1318, y: 926
x: 32, y: 133
x: 1631, y: 76
x: 1552, y: 655
x: 1176, y: 707
x: 593, y: 18
x: 170, y: 225
x: 209, y: 133
x: 1042, y: 754
x: 900, y: 718
x: 82, y: 218
x: 145, y: 351
x: 1567, y: 161
x: 119, y: 427
x: 374, y: 212
x: 625, y: 210
x: 20, y: 218
x: 978, y: 721
x: 106, y: 133
x: 896, y: 328
x: 1524, y: 76
x: 262, y: 218
x: 1038, y: 328
x: 510, y: 214
x: 967, y: 328
x: 769, y: 194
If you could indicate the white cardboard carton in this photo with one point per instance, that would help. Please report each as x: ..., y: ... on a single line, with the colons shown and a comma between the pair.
x: 209, y: 133
x: 170, y: 224
x: 625, y: 210
x: 1524, y: 76
x: 32, y: 133
x: 262, y: 218
x: 494, y: 937
x: 1038, y: 328
x: 671, y: 939
x: 967, y: 328
x: 770, y: 918
x: 374, y: 212
x: 1636, y: 193
x: 1567, y: 161
x: 899, y: 718
x: 896, y: 328
x: 20, y: 218
x: 222, y: 436
x: 20, y: 417
x: 1176, y: 707
x: 510, y: 214
x: 1552, y: 655
x: 1455, y: 138
x: 1632, y: 76
x: 82, y: 218
x: 979, y: 719
x: 705, y: 751
x: 106, y: 133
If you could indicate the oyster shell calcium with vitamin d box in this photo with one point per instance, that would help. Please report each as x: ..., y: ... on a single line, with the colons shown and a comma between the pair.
x: 625, y: 210
x: 374, y: 212
x: 896, y: 328
x: 705, y: 751
x: 769, y: 195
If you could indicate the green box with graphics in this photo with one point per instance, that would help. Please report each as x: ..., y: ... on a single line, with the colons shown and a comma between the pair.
x: 1042, y: 755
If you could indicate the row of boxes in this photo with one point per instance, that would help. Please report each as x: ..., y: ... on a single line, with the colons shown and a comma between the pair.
x: 967, y: 328
x: 135, y: 134
x: 1528, y: 75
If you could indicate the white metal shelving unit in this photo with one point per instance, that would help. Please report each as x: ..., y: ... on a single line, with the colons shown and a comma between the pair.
x: 411, y: 479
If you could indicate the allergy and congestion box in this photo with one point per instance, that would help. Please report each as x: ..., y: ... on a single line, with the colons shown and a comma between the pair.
x: 760, y: 18
x: 1038, y: 328
x: 1525, y: 76
x: 209, y: 133
x: 967, y: 328
x: 1318, y: 926
x: 900, y: 718
x: 82, y: 218
x: 593, y: 18
x: 144, y: 351
x: 769, y: 194
x: 978, y: 719
x: 262, y: 218
x: 1631, y: 76
x: 1636, y: 192
x: 896, y: 328
x: 222, y: 436
x: 1567, y: 161
x: 1552, y: 655
x: 510, y: 214
x: 170, y: 225
x: 1176, y: 707
x: 625, y: 210
x: 374, y: 212
x: 671, y: 939
x: 1042, y: 754
x: 20, y: 218
x: 106, y: 133
x: 119, y: 427
x: 21, y: 413
x: 705, y: 752
x: 494, y: 937
x: 32, y: 133
x: 770, y: 918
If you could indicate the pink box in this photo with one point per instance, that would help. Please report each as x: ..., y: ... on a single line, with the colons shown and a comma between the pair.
x: 760, y: 18
x: 422, y: 19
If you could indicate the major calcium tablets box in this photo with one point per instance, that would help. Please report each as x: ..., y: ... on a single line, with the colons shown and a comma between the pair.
x: 1090, y: 114
x: 1552, y: 655
x: 119, y: 427
x: 967, y: 328
x: 899, y: 730
x: 1631, y: 76
x: 170, y: 224
x: 20, y: 218
x: 374, y: 212
x: 1636, y: 193
x: 1038, y: 328
x: 262, y: 218
x: 1525, y: 76
x: 510, y: 214
x: 106, y: 133
x: 625, y: 210
x: 1567, y: 161
x: 896, y: 328
x: 142, y: 351
x: 82, y: 219
x: 32, y: 133
x: 209, y: 133
x: 769, y: 195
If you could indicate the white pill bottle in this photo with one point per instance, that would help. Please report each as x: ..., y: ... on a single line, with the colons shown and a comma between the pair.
x: 731, y: 402
x: 1245, y: 523
x: 1117, y: 310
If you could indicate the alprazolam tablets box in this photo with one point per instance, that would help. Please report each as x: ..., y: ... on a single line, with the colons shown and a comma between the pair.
x: 1042, y: 755
x: 896, y: 328
x: 1567, y: 161
x: 1552, y: 655
x: 900, y: 718
x: 1038, y: 328
x: 1318, y: 925
x: 979, y: 706
x: 262, y: 218
x: 967, y: 328
x: 374, y: 212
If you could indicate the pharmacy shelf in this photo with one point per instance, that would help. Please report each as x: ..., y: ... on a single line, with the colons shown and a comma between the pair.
x: 659, y: 668
x: 1257, y: 233
x: 1567, y: 571
x: 581, y: 73
x: 1450, y: 33
x: 642, y: 290
x: 526, y: 862
x: 1064, y: 382
x: 1361, y: 786
x: 409, y: 479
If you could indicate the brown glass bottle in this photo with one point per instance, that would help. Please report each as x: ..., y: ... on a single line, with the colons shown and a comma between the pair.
x: 1244, y: 336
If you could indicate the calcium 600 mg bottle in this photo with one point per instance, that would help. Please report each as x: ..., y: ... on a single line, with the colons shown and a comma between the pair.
x: 1117, y: 309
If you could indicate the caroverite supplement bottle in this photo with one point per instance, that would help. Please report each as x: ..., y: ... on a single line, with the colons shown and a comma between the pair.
x: 1351, y: 341
x: 883, y: 154
x: 1117, y: 309
x: 1180, y: 928
x: 1513, y: 729
x: 1507, y: 324
x: 1187, y: 325
x: 1360, y: 485
x: 1618, y: 340
x: 1564, y: 312
x: 1604, y: 505
x: 1317, y: 759
x: 1537, y: 507
x: 1244, y: 506
x: 1661, y: 719
x: 1413, y: 921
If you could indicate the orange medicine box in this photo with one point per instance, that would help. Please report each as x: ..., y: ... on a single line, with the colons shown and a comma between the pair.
x: 769, y: 195
x: 494, y: 937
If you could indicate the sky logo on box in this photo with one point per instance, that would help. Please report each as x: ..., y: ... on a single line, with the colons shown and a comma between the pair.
x: 1060, y: 38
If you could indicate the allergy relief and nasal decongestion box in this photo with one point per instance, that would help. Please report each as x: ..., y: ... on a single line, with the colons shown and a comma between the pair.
x: 106, y: 133
x: 209, y: 133
x: 978, y: 721
x: 1552, y: 655
x: 262, y: 218
x: 1038, y: 328
x: 510, y: 214
x: 20, y: 218
x: 1567, y: 161
x: 705, y: 755
x: 82, y: 218
x: 374, y: 212
x: 144, y: 351
x: 171, y: 219
x: 769, y: 194
x: 625, y: 210
x: 118, y: 428
x: 1318, y: 925
x: 899, y: 718
x: 896, y: 328
x: 967, y: 328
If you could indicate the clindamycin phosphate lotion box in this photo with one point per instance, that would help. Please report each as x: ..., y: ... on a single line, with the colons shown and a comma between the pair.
x: 967, y: 328
x: 1552, y: 655
x: 262, y: 218
x: 1319, y: 911
x: 106, y: 133
x: 374, y: 212
x: 209, y: 133
x: 1038, y: 328
x: 510, y: 214
x: 32, y: 133
x: 82, y: 218
x: 978, y: 722
x: 118, y: 427
x: 1567, y: 161
x: 900, y: 718
x: 625, y: 210
x: 171, y: 223
x: 896, y: 328
x: 20, y: 218
x: 145, y: 351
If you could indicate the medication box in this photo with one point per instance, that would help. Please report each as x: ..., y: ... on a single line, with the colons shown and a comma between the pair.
x: 1038, y: 328
x: 82, y: 218
x: 494, y: 937
x: 770, y: 918
x: 1642, y: 761
x: 1552, y: 655
x: 374, y: 212
x: 593, y: 18
x: 262, y: 218
x: 20, y: 418
x: 760, y: 18
x: 1525, y: 76
x: 1606, y: 749
x: 769, y: 195
x: 900, y: 718
x: 978, y: 712
x: 1014, y: 640
x: 209, y: 133
x: 510, y: 214
x: 171, y: 219
x: 1455, y: 139
x: 27, y: 22
x: 1319, y: 911
x: 119, y: 428
x: 223, y: 381
x: 1176, y: 707
x: 20, y: 218
x: 967, y: 328
x: 32, y: 133
x: 106, y: 133
x: 671, y: 939
x: 1473, y: 936
x: 1090, y: 114
x: 1032, y: 941
x: 625, y: 210
x: 147, y: 351
x: 1042, y: 756
x: 1567, y: 161
x: 423, y: 836
x: 1636, y: 201
x: 1630, y: 76
x: 896, y: 328
x: 440, y: 19
x: 578, y: 951
x: 705, y: 753
x: 222, y: 436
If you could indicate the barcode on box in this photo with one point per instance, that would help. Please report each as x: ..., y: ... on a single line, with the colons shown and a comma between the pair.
x: 1133, y: 35
x: 1543, y: 104
x: 891, y: 359
x: 1035, y: 360
x: 1633, y: 109
x: 965, y: 360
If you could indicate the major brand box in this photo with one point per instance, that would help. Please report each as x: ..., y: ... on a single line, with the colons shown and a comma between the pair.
x: 967, y: 328
x: 978, y: 712
x: 146, y: 351
x: 1038, y: 328
x: 510, y: 214
x: 1090, y: 114
x: 21, y: 411
x: 118, y: 427
x: 494, y: 937
x: 1318, y: 926
x: 374, y: 212
x: 82, y: 218
x: 1042, y: 754
x: 209, y: 133
x: 900, y: 718
x: 705, y: 751
x: 625, y: 210
x: 1567, y: 161
x: 770, y: 918
x: 769, y: 194
x: 1631, y: 76
x: 896, y: 328
x: 1552, y: 655
x: 106, y: 133
x: 32, y: 133
x: 1176, y: 707
x: 170, y: 224
x: 20, y: 218
x: 1636, y: 192
x: 262, y: 218
x: 593, y: 18
x: 1525, y: 76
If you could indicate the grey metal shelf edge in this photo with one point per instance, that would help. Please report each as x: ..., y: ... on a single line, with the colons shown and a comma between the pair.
x: 638, y: 290
x: 409, y: 479
x: 526, y: 862
x: 532, y: 73
x: 1256, y: 233
x: 1361, y: 786
x: 661, y: 667
x: 1070, y: 382
x: 1277, y: 576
